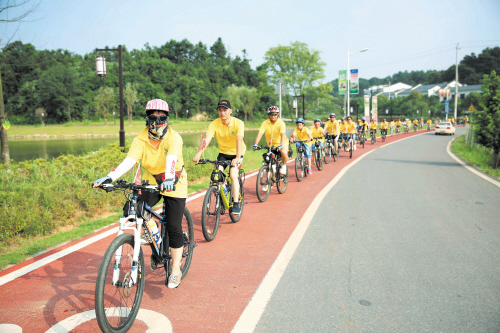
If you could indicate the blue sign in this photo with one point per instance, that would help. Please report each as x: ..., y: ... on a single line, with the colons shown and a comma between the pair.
x: 447, y: 107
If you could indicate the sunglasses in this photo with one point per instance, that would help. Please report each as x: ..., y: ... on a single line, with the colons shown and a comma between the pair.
x: 273, y: 115
x: 157, y: 118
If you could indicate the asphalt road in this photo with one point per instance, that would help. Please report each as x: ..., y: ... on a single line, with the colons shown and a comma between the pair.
x: 407, y: 241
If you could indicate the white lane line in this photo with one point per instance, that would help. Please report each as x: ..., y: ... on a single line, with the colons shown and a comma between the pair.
x: 252, y: 313
x: 468, y: 167
x: 37, y: 264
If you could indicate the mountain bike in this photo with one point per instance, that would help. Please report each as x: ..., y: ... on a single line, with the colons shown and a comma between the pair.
x: 330, y: 149
x: 407, y: 129
x: 270, y: 174
x: 392, y: 131
x: 318, y: 160
x: 301, y: 163
x: 428, y: 127
x: 383, y: 133
x: 420, y: 126
x: 121, y: 275
x: 373, y: 136
x: 350, y: 143
x: 414, y: 127
x: 218, y: 198
x: 397, y: 130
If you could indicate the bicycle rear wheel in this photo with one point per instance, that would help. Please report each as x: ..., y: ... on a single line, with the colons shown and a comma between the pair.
x: 210, y: 214
x: 351, y: 148
x: 299, y: 168
x: 282, y: 181
x: 363, y: 141
x: 236, y: 218
x: 263, y: 185
x: 117, y: 305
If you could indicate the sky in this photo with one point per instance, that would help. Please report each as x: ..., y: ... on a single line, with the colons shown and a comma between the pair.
x: 401, y: 35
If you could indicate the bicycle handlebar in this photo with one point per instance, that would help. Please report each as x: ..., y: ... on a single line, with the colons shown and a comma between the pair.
x: 205, y: 161
x: 121, y: 184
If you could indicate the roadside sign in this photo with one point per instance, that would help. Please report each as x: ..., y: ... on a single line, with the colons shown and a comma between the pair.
x: 471, y: 108
x: 447, y: 107
x: 294, y: 103
x: 6, y: 124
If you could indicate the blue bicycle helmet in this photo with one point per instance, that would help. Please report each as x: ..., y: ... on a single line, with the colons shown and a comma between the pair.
x: 363, y: 118
x: 317, y: 120
x: 333, y: 115
x: 384, y: 119
x: 300, y: 120
x: 415, y: 118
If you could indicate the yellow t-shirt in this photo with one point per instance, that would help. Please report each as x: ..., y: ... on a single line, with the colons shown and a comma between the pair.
x: 422, y: 120
x: 398, y: 123
x: 343, y: 127
x: 226, y: 135
x: 302, y: 135
x: 332, y: 127
x: 363, y: 125
x: 317, y: 132
x: 154, y: 160
x: 415, y: 122
x: 274, y: 130
x: 384, y: 125
x: 429, y: 121
x: 351, y: 128
x: 373, y: 125
x: 393, y: 124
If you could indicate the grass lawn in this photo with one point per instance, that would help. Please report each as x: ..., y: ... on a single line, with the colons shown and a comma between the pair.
x: 478, y: 156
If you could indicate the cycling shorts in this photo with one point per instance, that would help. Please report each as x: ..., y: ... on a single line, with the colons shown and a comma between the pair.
x: 314, y: 146
x: 224, y: 157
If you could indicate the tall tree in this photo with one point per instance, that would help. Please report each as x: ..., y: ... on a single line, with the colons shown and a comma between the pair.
x: 488, y: 120
x: 104, y: 101
x: 131, y: 97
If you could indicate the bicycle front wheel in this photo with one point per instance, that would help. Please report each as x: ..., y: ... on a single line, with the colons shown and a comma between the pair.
x: 117, y: 304
x: 319, y: 161
x: 328, y: 154
x: 236, y: 218
x: 299, y: 169
x: 188, y: 234
x: 210, y: 215
x: 263, y: 185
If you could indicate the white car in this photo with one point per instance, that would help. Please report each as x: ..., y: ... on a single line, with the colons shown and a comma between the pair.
x: 445, y: 128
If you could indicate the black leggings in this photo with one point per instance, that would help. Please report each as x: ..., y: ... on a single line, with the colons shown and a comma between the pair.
x: 174, y: 212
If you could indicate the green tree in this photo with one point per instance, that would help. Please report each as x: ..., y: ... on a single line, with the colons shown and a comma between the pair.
x: 242, y: 98
x: 131, y: 97
x: 104, y: 101
x: 488, y: 120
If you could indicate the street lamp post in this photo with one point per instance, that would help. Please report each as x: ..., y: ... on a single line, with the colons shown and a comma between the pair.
x: 349, y: 78
x: 187, y: 111
x: 101, y: 71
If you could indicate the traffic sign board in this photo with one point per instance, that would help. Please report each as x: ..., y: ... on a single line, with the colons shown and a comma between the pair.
x: 447, y: 107
x: 471, y: 108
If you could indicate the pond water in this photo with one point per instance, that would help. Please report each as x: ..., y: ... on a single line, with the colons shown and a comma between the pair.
x: 27, y: 149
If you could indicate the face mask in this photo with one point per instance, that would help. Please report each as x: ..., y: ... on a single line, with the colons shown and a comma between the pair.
x: 157, y: 129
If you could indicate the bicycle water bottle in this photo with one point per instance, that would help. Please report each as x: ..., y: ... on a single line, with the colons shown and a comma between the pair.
x: 154, y: 230
x: 224, y: 187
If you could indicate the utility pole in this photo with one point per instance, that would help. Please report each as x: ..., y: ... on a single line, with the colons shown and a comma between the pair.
x: 3, y: 131
x: 456, y: 83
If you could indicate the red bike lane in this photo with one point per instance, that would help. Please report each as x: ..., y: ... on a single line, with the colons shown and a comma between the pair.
x: 223, y: 276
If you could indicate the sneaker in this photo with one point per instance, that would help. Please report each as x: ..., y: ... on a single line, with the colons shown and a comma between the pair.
x: 283, y: 169
x: 309, y: 171
x: 347, y: 149
x: 264, y: 188
x: 354, y: 147
x: 323, y: 153
x: 236, y: 210
x: 173, y: 281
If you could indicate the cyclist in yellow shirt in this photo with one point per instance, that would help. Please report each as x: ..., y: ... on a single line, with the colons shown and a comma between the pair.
x: 384, y: 126
x: 421, y: 122
x: 317, y: 132
x: 350, y: 128
x: 363, y: 126
x: 302, y: 133
x: 275, y: 130
x: 229, y: 132
x: 415, y: 123
x: 392, y: 125
x: 159, y: 148
x: 452, y: 121
x: 398, y: 126
x: 466, y: 119
x: 373, y: 128
x: 429, y: 123
x: 332, y: 128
